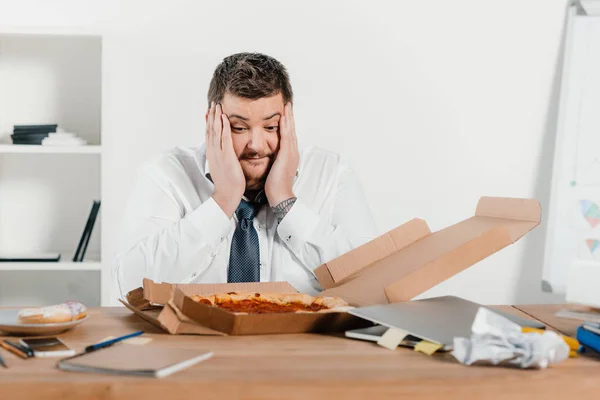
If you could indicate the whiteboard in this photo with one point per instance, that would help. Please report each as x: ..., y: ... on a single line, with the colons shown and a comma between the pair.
x: 574, y: 215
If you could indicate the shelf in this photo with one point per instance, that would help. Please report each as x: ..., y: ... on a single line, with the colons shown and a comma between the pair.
x: 51, y: 266
x: 40, y: 149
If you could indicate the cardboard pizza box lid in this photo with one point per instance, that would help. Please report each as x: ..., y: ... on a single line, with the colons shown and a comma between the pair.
x: 377, y: 249
x: 419, y: 260
x: 230, y: 323
x: 161, y: 293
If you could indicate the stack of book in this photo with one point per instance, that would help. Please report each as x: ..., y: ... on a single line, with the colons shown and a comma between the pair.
x: 31, y: 134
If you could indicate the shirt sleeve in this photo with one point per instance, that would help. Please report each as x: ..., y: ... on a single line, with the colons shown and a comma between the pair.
x: 160, y: 242
x: 314, y: 240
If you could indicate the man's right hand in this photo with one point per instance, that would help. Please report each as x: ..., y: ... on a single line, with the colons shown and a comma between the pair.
x: 225, y: 169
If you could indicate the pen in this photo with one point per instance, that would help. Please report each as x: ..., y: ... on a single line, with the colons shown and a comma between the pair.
x: 592, y: 325
x: 12, y: 349
x: 3, y: 361
x: 110, y: 342
x: 25, y: 349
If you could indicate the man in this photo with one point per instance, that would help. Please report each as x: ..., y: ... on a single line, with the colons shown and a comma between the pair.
x: 247, y: 205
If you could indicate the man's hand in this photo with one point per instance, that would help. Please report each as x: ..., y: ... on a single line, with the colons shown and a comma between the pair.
x: 278, y: 186
x: 225, y: 169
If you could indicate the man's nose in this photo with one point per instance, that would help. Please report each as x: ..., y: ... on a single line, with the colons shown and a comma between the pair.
x: 257, y: 140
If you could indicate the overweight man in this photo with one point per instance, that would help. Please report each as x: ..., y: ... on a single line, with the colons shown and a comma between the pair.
x: 247, y: 205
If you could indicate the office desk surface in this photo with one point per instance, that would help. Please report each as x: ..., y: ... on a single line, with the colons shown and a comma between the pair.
x: 306, y: 366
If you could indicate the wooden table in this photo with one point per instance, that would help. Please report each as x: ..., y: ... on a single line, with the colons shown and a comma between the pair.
x: 304, y: 366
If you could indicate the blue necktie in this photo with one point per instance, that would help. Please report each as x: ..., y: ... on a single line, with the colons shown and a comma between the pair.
x: 244, y: 258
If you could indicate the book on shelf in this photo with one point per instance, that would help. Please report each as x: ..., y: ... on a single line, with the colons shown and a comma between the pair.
x: 87, y: 232
x: 30, y: 257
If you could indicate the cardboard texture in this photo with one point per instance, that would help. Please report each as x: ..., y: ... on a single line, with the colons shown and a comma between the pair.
x: 182, y: 315
x: 388, y: 243
x: 257, y: 324
x: 164, y: 317
x: 161, y: 293
x: 396, y: 266
x: 424, y: 259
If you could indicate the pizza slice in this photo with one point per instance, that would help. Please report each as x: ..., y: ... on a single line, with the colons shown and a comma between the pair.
x: 262, y: 303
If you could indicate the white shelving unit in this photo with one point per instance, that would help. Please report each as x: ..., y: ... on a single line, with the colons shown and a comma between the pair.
x: 27, y: 149
x: 51, y: 266
x: 47, y: 191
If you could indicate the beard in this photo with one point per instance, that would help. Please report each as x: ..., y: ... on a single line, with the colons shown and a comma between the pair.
x: 256, y: 172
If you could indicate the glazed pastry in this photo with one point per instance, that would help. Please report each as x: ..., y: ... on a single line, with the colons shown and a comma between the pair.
x: 66, y: 312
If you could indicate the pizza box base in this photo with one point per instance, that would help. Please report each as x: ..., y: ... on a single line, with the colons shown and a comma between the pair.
x: 170, y: 308
x: 164, y: 317
x: 260, y: 324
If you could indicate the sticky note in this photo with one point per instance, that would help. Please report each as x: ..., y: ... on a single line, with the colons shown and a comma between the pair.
x: 140, y: 341
x: 392, y: 338
x: 427, y: 347
x: 134, y: 340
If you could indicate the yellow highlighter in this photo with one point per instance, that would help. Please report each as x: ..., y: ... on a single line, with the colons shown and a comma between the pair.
x: 571, y: 342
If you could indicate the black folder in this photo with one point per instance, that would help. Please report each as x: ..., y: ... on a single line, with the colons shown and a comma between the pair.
x: 87, y: 233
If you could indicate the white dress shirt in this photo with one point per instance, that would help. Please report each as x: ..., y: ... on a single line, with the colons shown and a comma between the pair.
x: 175, y: 232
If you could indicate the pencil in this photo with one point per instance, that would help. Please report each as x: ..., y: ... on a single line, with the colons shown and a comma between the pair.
x: 571, y: 342
x: 3, y: 361
x: 13, y: 350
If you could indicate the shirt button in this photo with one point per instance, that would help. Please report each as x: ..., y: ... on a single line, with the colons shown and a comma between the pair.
x: 194, y: 274
x: 289, y: 238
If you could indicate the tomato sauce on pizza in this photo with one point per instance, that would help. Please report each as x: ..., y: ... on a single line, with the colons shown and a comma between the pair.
x: 265, y: 303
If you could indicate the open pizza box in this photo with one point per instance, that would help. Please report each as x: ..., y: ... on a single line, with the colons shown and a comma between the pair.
x: 396, y: 266
x: 170, y: 307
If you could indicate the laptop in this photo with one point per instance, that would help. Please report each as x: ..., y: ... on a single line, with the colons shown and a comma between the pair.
x: 437, y: 320
x: 374, y: 333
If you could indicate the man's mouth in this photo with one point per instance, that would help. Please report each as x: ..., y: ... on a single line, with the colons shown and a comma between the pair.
x: 255, y: 159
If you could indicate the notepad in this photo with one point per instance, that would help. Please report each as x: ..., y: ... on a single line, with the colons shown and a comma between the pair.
x: 135, y: 360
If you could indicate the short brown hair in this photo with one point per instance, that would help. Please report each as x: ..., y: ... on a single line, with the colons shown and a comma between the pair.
x: 250, y: 75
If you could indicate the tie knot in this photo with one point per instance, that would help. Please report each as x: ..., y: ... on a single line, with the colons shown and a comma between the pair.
x: 245, y: 210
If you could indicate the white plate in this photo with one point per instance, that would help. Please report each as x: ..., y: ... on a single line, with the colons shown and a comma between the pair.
x: 8, y: 324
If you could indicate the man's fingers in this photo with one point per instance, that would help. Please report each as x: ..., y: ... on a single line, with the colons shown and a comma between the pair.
x: 218, y: 124
x: 292, y: 123
x: 286, y: 141
x: 210, y: 137
x: 226, y: 142
x: 288, y: 135
x: 290, y: 112
x: 283, y: 128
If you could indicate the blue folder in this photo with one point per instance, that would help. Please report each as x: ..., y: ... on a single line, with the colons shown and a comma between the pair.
x: 588, y: 338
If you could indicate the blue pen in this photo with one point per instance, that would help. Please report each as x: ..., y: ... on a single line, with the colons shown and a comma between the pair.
x: 110, y: 342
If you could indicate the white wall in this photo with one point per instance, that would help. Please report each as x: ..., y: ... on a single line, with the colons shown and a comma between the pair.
x: 435, y: 103
x: 48, y: 80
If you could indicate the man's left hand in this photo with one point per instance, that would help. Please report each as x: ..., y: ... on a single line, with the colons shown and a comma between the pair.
x: 278, y: 186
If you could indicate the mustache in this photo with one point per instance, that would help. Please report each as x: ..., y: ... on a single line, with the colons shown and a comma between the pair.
x: 255, y: 155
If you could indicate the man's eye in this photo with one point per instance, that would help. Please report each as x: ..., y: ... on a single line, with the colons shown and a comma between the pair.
x: 239, y: 128
x: 272, y: 128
